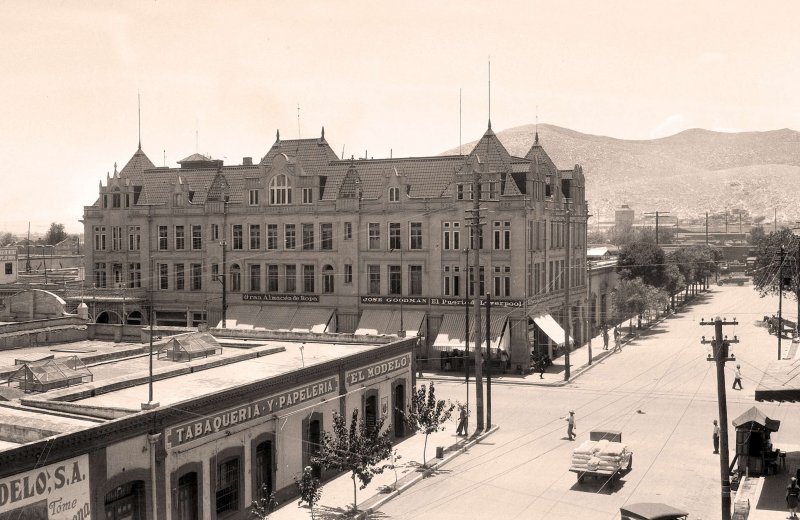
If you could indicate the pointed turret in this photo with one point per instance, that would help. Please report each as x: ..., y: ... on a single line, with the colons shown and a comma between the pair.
x: 493, y: 155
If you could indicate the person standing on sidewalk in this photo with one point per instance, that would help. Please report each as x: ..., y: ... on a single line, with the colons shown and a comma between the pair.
x: 737, y: 377
x: 792, y: 497
x: 715, y: 436
x: 571, y: 425
x: 462, y: 420
x: 605, y: 337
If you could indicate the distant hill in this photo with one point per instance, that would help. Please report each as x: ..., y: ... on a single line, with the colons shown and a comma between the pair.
x: 686, y: 174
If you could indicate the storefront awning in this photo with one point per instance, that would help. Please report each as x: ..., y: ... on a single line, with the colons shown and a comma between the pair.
x: 551, y: 327
x: 293, y: 318
x: 452, y: 331
x: 780, y: 382
x: 385, y: 322
x: 754, y: 415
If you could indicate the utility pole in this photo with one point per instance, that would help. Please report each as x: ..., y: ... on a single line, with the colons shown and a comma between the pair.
x: 466, y: 329
x: 720, y: 346
x: 566, y: 301
x: 726, y: 223
x: 475, y: 226
x: 588, y: 311
x: 781, y: 255
x: 224, y: 263
x: 488, y: 361
x: 657, y: 215
x: 706, y: 227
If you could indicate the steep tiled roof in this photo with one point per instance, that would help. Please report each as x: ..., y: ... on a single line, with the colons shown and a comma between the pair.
x: 494, y: 156
x: 425, y: 177
x: 159, y: 184
x: 136, y: 165
x: 541, y: 161
x: 312, y: 154
x: 195, y: 157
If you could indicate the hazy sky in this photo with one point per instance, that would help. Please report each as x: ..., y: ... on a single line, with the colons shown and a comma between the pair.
x: 377, y: 75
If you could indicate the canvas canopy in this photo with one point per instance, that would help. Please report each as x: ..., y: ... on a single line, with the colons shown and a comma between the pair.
x: 651, y: 511
x: 754, y: 415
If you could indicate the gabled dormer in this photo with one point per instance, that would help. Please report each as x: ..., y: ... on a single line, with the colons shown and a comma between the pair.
x: 396, y: 187
x: 181, y: 194
x: 350, y: 188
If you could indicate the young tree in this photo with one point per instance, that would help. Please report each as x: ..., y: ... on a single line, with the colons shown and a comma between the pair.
x: 634, y: 297
x: 427, y: 415
x: 310, y: 488
x: 643, y: 260
x: 262, y: 507
x: 357, y: 449
x: 55, y: 234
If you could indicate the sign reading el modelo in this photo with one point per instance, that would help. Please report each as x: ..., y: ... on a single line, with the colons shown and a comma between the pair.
x: 379, y: 369
x: 220, y: 421
x: 54, y: 492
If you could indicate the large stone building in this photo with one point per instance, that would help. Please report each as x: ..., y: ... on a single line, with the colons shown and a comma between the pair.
x: 306, y: 241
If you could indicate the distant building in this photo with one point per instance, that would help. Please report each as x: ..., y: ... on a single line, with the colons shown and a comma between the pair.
x: 8, y: 265
x: 307, y: 241
x: 623, y: 217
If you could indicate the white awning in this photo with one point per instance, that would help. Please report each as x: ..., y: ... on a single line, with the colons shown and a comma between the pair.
x: 551, y: 327
x: 293, y: 318
x: 452, y: 331
x: 386, y: 322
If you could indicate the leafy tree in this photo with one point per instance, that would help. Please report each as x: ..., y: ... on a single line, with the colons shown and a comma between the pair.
x: 427, y: 415
x: 643, y: 260
x: 262, y: 507
x: 767, y: 271
x: 634, y: 297
x: 55, y: 234
x: 357, y: 449
x: 707, y: 262
x: 674, y: 281
x: 310, y: 488
x: 7, y: 239
x: 596, y: 237
x: 756, y: 235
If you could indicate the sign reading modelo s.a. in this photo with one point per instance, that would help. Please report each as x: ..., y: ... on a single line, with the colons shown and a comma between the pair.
x: 221, y: 421
x: 56, y: 491
x: 378, y: 369
x: 271, y: 297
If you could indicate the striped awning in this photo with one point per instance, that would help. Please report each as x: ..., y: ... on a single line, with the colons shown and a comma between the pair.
x: 292, y: 318
x: 311, y: 319
x: 386, y: 322
x: 452, y: 331
x: 551, y: 327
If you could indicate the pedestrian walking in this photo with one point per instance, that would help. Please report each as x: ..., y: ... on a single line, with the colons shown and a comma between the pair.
x: 605, y: 337
x: 737, y: 377
x: 571, y: 425
x: 462, y: 420
x: 541, y: 368
x: 792, y: 494
x: 715, y: 436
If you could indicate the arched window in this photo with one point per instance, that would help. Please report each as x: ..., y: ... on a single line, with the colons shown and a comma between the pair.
x: 280, y: 193
x: 126, y: 501
x: 327, y: 279
x: 236, y: 278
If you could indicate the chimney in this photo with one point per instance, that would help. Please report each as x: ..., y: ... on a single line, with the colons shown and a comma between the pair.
x: 247, y: 161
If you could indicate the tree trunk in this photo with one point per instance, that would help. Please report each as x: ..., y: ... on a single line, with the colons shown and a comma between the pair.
x: 355, y: 498
x: 673, y: 302
x: 639, y: 322
x: 424, y: 450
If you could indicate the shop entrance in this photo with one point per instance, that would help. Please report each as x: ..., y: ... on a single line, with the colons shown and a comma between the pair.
x: 399, y: 408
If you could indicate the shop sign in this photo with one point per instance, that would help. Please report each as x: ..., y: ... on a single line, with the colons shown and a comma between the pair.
x: 460, y: 302
x: 8, y: 253
x: 395, y: 300
x: 211, y: 424
x: 53, y: 492
x: 272, y: 297
x: 378, y: 369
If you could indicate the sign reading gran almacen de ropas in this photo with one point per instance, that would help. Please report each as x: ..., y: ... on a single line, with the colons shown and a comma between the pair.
x: 220, y: 421
x: 353, y: 377
x: 57, y: 491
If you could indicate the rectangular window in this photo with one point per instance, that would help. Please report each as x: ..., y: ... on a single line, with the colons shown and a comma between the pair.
x: 215, y: 232
x: 348, y: 230
x: 502, y: 281
x: 308, y: 237
x: 374, y: 235
x: 481, y: 286
x: 163, y: 234
x: 180, y: 281
x: 451, y: 239
x: 308, y: 195
x: 255, y: 277
x: 291, y: 278
x: 348, y: 273
x: 255, y: 236
x: 100, y: 238
x: 215, y: 273
x: 415, y: 233
x: 502, y: 235
x: 227, y: 486
x: 415, y: 280
x: 394, y: 194
x: 135, y: 275
x: 115, y: 200
x: 374, y: 279
x: 289, y: 236
x: 459, y: 192
x: 253, y: 197
x: 395, y: 280
x: 134, y: 238
x: 326, y: 236
x: 197, y: 277
x: 100, y: 274
x: 394, y: 236
x: 308, y: 278
x: 238, y: 236
x: 272, y: 278
x: 180, y: 237
x: 272, y: 236
x: 197, y: 237
x: 451, y: 280
x: 163, y: 276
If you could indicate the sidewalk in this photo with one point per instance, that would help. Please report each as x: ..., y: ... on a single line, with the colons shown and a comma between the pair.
x: 337, y: 493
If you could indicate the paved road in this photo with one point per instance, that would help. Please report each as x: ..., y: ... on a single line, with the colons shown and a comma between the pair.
x: 660, y: 392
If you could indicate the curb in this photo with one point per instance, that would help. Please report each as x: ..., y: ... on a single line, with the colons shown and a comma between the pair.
x: 458, y: 450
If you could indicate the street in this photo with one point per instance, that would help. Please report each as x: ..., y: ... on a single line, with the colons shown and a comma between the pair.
x: 660, y: 391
